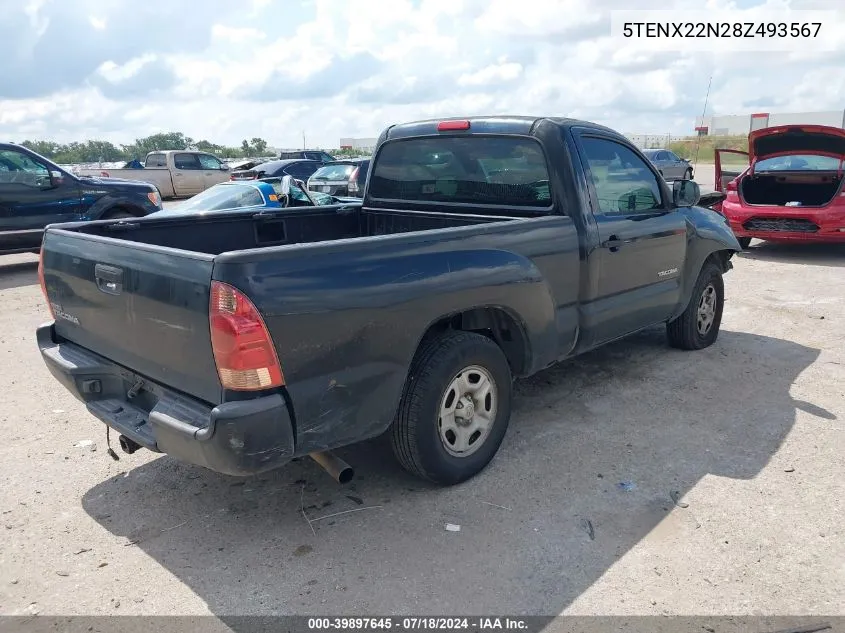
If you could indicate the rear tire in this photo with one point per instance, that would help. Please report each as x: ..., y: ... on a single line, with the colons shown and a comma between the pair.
x: 744, y: 242
x: 698, y: 326
x: 447, y: 379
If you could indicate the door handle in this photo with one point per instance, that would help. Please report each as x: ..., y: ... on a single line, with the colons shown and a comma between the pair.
x: 109, y: 279
x: 613, y: 243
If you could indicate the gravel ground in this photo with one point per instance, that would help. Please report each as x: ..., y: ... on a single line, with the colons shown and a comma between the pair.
x: 747, y: 435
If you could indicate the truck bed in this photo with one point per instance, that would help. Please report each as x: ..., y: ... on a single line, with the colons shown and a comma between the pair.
x: 223, y: 232
x: 137, y: 292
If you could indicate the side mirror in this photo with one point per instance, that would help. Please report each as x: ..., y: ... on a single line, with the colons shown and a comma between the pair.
x: 224, y: 167
x: 56, y: 179
x: 685, y: 193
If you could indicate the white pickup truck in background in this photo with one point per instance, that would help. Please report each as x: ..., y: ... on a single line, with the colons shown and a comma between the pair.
x: 176, y: 173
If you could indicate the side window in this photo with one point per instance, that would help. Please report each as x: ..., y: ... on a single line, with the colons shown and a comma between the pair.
x: 301, y: 170
x: 672, y: 157
x: 156, y: 160
x: 325, y: 157
x: 17, y: 168
x: 209, y: 162
x: 186, y: 161
x: 623, y: 182
x: 661, y: 156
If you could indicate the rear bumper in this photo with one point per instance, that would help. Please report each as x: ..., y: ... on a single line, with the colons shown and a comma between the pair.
x: 827, y: 222
x: 234, y: 438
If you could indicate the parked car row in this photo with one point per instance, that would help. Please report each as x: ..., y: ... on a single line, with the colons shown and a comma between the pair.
x: 266, y: 194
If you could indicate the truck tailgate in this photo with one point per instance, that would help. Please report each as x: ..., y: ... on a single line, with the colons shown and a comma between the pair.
x: 141, y: 306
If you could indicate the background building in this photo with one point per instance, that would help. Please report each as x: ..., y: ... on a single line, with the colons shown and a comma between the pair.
x: 742, y: 124
x: 358, y: 143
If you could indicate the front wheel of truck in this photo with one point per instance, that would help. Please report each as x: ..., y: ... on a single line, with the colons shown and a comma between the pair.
x: 455, y: 409
x: 698, y: 326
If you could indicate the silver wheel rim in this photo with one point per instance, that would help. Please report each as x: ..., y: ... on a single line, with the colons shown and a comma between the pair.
x: 467, y: 411
x: 706, y: 310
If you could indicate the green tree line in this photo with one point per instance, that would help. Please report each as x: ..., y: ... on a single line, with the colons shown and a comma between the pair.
x: 93, y: 151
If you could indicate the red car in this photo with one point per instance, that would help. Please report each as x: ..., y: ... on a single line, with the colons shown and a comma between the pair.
x: 789, y: 187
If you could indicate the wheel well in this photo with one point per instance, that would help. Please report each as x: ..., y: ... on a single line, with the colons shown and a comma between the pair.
x: 721, y: 259
x: 121, y: 208
x: 494, y: 323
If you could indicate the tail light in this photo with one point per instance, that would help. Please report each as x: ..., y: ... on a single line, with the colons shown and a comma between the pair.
x: 43, y: 283
x: 243, y: 350
x: 353, y: 180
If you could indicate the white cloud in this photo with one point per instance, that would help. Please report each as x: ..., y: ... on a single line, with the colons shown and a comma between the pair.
x: 225, y: 71
x: 490, y: 75
x: 237, y: 35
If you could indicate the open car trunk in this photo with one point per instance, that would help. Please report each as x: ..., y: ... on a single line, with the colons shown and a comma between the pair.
x: 790, y: 190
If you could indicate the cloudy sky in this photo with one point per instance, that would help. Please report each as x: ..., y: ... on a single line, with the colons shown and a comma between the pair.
x: 225, y: 70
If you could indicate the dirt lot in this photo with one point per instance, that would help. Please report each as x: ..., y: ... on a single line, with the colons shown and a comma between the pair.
x: 748, y: 432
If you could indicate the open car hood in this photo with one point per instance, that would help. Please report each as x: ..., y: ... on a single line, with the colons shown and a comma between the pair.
x: 796, y: 139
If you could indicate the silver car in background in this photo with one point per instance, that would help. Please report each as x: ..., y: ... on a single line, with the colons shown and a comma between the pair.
x: 668, y: 164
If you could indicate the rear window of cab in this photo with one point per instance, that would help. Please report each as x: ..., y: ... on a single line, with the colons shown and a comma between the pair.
x: 487, y: 170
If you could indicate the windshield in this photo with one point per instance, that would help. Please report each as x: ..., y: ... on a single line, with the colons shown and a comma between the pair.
x: 799, y: 162
x: 223, y: 197
x: 333, y: 172
x: 507, y: 171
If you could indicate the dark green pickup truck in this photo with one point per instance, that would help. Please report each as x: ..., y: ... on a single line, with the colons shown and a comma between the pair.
x: 485, y: 249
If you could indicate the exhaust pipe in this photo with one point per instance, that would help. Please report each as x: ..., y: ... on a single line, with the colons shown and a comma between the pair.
x: 128, y: 446
x: 339, y: 470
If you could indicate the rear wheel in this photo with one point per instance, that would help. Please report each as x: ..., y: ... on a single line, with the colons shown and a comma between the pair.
x: 698, y: 326
x: 455, y: 410
x: 744, y: 242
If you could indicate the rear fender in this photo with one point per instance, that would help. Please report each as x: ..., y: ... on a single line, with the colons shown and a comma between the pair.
x: 355, y: 342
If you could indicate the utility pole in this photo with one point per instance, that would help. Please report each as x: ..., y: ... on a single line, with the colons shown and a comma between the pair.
x: 304, y: 146
x: 703, y: 112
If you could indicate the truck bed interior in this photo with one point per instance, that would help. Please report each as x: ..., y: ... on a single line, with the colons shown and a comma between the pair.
x: 808, y: 190
x: 218, y: 233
